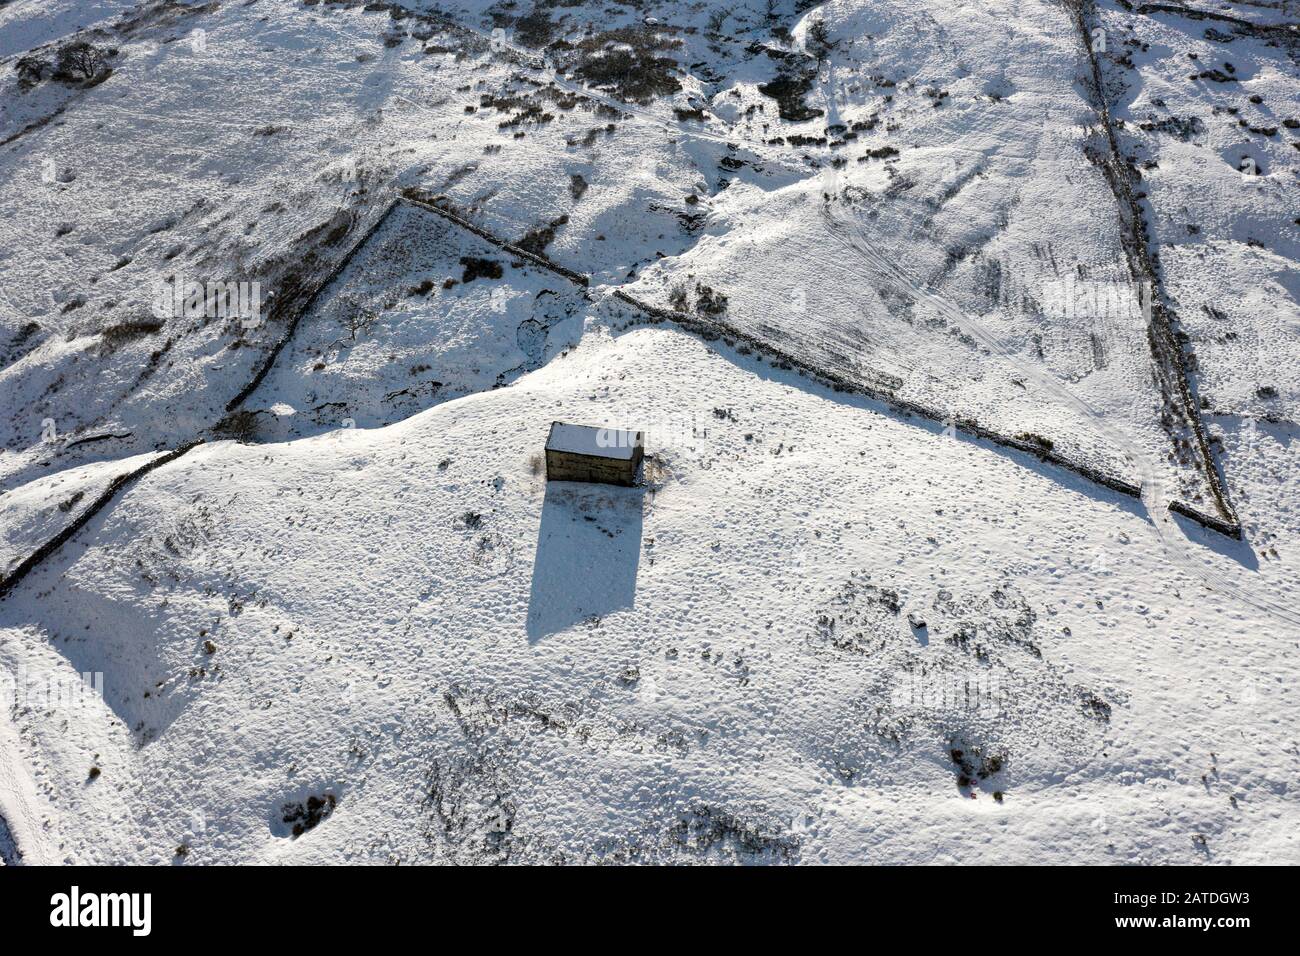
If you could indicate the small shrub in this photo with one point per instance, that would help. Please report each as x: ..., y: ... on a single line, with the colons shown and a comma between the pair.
x: 678, y: 298
x: 308, y: 816
x: 1044, y: 444
x: 476, y: 268
x: 709, y: 301
x: 31, y: 70
x: 880, y: 152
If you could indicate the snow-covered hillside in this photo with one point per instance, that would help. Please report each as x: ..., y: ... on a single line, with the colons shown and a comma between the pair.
x: 963, y: 334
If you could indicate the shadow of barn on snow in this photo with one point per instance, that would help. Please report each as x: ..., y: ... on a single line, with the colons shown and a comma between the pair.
x: 588, y: 552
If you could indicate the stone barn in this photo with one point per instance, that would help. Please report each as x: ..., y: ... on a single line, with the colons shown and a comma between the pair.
x: 583, y: 453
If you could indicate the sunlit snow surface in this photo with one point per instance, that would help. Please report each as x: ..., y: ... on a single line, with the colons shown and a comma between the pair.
x: 821, y: 630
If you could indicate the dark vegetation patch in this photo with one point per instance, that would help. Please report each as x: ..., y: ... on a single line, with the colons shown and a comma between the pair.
x: 1183, y: 128
x: 708, y: 301
x: 472, y: 809
x: 1003, y: 619
x: 536, y: 240
x: 798, y: 139
x: 935, y: 95
x: 31, y: 69
x: 533, y: 114
x: 820, y: 44
x: 636, y: 75
x: 859, y: 617
x: 973, y: 762
x: 76, y: 63
x: 477, y: 268
x: 628, y: 61
x: 691, y: 221
x: 789, y: 88
x: 535, y: 29
x: 1038, y: 441
x: 309, y: 814
x: 240, y: 425
x: 130, y: 330
x: 1094, y: 706
x: 708, y: 830
x: 880, y: 152
x: 1216, y: 76
x: 529, y: 110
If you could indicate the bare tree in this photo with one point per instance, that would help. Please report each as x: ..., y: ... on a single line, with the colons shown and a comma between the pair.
x: 357, y: 320
x: 819, y: 40
x: 80, y: 61
x: 716, y: 19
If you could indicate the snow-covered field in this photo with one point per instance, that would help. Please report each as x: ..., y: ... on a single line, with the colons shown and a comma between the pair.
x: 944, y: 306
